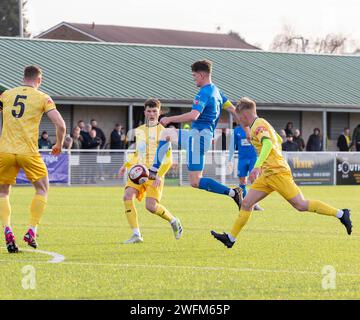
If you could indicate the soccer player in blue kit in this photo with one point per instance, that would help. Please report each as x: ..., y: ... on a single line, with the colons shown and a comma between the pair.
x: 204, y: 116
x: 246, y: 158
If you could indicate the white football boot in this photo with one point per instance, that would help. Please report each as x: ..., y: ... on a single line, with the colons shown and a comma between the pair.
x: 134, y: 239
x: 177, y: 228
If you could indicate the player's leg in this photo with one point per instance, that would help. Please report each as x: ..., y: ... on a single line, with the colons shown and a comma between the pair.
x: 131, y: 214
x: 36, y: 171
x: 242, y: 185
x: 5, y: 208
x: 154, y: 206
x: 8, y: 173
x: 37, y: 209
x: 252, y: 197
x: 319, y: 207
x: 286, y: 186
x: 5, y: 213
x: 198, y: 145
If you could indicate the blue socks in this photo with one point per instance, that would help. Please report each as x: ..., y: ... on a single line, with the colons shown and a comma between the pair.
x: 243, y: 187
x: 161, y: 150
x: 212, y: 185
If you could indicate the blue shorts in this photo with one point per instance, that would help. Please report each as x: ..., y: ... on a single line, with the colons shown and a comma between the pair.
x: 196, y: 143
x: 245, y: 165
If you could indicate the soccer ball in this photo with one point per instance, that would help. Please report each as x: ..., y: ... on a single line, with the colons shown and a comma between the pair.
x: 139, y: 174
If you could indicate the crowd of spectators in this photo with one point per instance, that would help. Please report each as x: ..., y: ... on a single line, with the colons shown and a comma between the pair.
x: 90, y: 136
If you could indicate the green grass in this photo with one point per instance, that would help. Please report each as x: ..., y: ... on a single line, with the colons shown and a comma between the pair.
x: 279, y: 254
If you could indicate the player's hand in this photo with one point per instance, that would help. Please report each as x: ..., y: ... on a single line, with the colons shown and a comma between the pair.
x: 122, y: 171
x: 165, y: 121
x: 56, y: 150
x: 152, y: 173
x: 157, y: 182
x: 254, y: 174
x: 229, y: 168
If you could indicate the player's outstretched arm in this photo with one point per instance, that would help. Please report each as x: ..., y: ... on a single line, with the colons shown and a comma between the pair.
x: 185, y: 117
x: 56, y: 118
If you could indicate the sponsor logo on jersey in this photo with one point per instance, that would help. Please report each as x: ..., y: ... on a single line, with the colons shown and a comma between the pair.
x: 260, y: 129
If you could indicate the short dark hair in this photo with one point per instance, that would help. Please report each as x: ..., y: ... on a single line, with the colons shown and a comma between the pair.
x: 152, y: 103
x: 32, y: 72
x: 202, y: 65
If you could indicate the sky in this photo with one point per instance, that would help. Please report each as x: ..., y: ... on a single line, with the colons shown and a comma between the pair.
x: 258, y: 21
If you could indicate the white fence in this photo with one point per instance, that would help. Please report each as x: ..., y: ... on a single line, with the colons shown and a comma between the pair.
x: 100, y: 167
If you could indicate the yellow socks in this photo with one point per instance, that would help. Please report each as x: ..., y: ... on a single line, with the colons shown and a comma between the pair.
x: 5, y: 211
x: 164, y: 213
x: 240, y: 222
x: 322, y: 208
x: 131, y: 214
x: 37, y: 209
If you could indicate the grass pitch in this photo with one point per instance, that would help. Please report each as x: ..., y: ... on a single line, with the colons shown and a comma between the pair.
x: 279, y: 255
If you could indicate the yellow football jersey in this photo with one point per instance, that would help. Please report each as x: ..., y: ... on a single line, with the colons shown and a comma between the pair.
x: 275, y: 163
x: 147, y: 140
x: 22, y: 109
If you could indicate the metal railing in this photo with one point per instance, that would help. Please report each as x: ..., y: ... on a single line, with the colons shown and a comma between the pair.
x: 100, y: 167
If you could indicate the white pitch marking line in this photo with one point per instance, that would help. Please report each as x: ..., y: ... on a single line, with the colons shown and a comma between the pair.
x: 207, y: 268
x: 56, y: 257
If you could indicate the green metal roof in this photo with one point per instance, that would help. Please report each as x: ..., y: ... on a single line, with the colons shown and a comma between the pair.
x: 82, y: 70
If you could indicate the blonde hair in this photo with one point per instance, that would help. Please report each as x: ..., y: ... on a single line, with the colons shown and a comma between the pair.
x: 245, y: 104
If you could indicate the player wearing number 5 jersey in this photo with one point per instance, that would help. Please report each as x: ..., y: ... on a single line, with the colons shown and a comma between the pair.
x: 22, y: 108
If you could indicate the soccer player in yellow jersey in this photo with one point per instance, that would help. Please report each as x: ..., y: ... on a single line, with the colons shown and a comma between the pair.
x: 22, y: 108
x: 271, y: 173
x: 147, y: 139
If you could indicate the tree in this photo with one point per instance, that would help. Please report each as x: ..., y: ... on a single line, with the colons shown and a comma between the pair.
x: 9, y: 18
x: 235, y: 35
x: 290, y: 41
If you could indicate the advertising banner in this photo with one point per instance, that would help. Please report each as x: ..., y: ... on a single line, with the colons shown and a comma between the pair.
x: 57, y: 166
x: 312, y: 168
x: 347, y: 168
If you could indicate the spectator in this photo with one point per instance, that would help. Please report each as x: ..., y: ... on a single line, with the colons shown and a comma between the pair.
x: 315, y: 141
x: 299, y: 140
x: 77, y: 139
x: 68, y: 141
x: 290, y: 145
x: 99, y: 133
x: 124, y: 137
x: 81, y: 125
x: 86, y: 136
x: 117, y: 138
x: 282, y: 134
x: 289, y: 128
x: 223, y: 139
x: 356, y: 138
x: 343, y: 142
x: 95, y: 141
x: 44, y: 142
